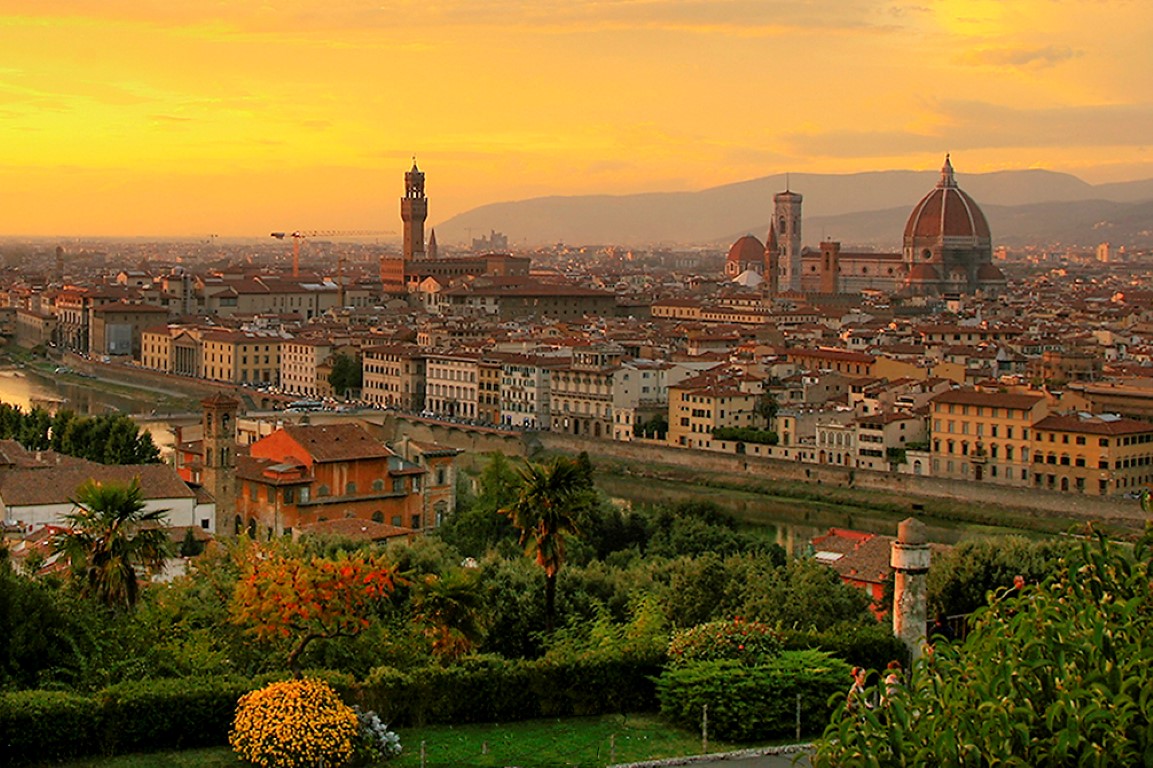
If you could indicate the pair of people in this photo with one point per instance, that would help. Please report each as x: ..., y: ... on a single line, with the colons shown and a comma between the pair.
x: 859, y: 698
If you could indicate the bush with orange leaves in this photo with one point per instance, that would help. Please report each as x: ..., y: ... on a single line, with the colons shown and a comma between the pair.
x: 302, y: 599
x: 294, y: 724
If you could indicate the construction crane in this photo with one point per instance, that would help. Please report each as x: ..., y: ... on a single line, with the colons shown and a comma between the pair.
x: 301, y: 234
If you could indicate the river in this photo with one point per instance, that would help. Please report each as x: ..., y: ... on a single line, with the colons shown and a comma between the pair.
x: 790, y: 522
x: 29, y: 388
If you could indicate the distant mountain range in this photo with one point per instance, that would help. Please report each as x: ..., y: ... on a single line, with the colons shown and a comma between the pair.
x: 861, y: 209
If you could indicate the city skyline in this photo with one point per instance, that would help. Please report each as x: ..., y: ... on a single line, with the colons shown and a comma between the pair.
x: 181, y: 118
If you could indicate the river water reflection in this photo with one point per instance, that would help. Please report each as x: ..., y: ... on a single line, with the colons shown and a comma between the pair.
x: 28, y: 388
x: 791, y: 522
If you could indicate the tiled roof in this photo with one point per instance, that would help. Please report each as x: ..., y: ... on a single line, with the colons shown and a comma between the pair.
x: 337, y: 442
x: 58, y: 484
x: 855, y: 555
x: 1093, y: 425
x: 993, y: 399
x: 354, y: 528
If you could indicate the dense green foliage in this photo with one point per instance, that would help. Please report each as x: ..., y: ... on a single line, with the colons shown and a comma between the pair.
x: 749, y: 642
x: 550, y: 499
x: 962, y: 579
x: 169, y: 713
x: 46, y: 725
x: 110, y: 438
x: 752, y: 702
x: 871, y: 646
x: 746, y: 435
x: 346, y: 374
x: 1058, y: 673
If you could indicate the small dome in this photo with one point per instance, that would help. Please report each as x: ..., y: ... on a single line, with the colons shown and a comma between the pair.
x: 924, y: 273
x: 748, y: 279
x: 746, y: 250
x: 947, y: 212
x: 990, y: 273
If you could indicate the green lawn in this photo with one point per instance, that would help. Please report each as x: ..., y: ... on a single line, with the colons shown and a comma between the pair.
x: 590, y: 741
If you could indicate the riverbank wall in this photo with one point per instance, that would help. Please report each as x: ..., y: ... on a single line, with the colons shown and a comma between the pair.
x: 643, y: 458
x: 1124, y: 512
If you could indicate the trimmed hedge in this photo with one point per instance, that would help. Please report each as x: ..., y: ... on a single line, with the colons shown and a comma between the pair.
x: 175, y: 713
x: 749, y: 703
x: 490, y: 689
x: 47, y: 725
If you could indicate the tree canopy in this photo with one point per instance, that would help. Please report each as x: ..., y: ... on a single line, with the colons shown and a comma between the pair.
x: 550, y: 500
x: 110, y: 438
x: 302, y: 599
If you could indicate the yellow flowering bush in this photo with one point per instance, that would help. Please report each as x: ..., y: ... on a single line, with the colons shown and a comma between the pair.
x: 294, y: 724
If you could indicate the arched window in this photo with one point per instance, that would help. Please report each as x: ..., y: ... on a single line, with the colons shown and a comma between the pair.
x: 322, y: 490
x: 349, y: 488
x: 378, y: 516
x: 378, y: 485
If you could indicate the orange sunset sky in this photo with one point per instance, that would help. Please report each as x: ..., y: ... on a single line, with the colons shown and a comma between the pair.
x: 232, y: 117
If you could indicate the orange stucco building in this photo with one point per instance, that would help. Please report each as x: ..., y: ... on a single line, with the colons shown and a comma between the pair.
x: 306, y: 474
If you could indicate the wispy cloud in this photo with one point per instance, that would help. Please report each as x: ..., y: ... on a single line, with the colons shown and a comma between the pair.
x: 1020, y: 58
x: 319, y: 16
x: 983, y: 125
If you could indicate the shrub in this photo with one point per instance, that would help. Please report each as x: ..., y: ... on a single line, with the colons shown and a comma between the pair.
x: 748, y: 642
x: 374, y: 741
x: 177, y: 713
x: 746, y: 435
x: 486, y: 689
x: 747, y: 703
x: 46, y: 725
x: 294, y: 724
x: 871, y: 646
x: 595, y: 683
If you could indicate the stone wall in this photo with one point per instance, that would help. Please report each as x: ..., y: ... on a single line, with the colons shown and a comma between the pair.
x: 1067, y: 504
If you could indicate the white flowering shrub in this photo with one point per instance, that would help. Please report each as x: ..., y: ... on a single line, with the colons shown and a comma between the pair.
x: 374, y: 741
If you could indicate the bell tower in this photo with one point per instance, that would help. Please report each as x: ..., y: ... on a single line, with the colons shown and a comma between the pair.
x: 413, y: 211
x: 218, y: 420
x: 787, y: 218
x: 830, y: 267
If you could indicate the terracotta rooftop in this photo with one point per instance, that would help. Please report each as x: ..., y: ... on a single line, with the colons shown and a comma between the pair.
x: 58, y: 484
x: 1093, y: 425
x: 337, y: 442
x: 992, y: 399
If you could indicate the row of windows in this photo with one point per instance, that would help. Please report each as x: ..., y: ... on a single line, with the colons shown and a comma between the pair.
x: 291, y: 495
x: 979, y: 429
x: 995, y: 412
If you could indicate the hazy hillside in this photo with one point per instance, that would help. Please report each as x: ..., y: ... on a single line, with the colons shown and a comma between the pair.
x: 863, y: 208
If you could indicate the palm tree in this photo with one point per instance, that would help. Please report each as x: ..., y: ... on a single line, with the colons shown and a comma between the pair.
x: 450, y: 607
x: 549, y: 501
x: 110, y: 535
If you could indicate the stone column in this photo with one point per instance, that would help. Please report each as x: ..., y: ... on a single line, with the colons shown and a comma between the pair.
x: 909, y: 557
